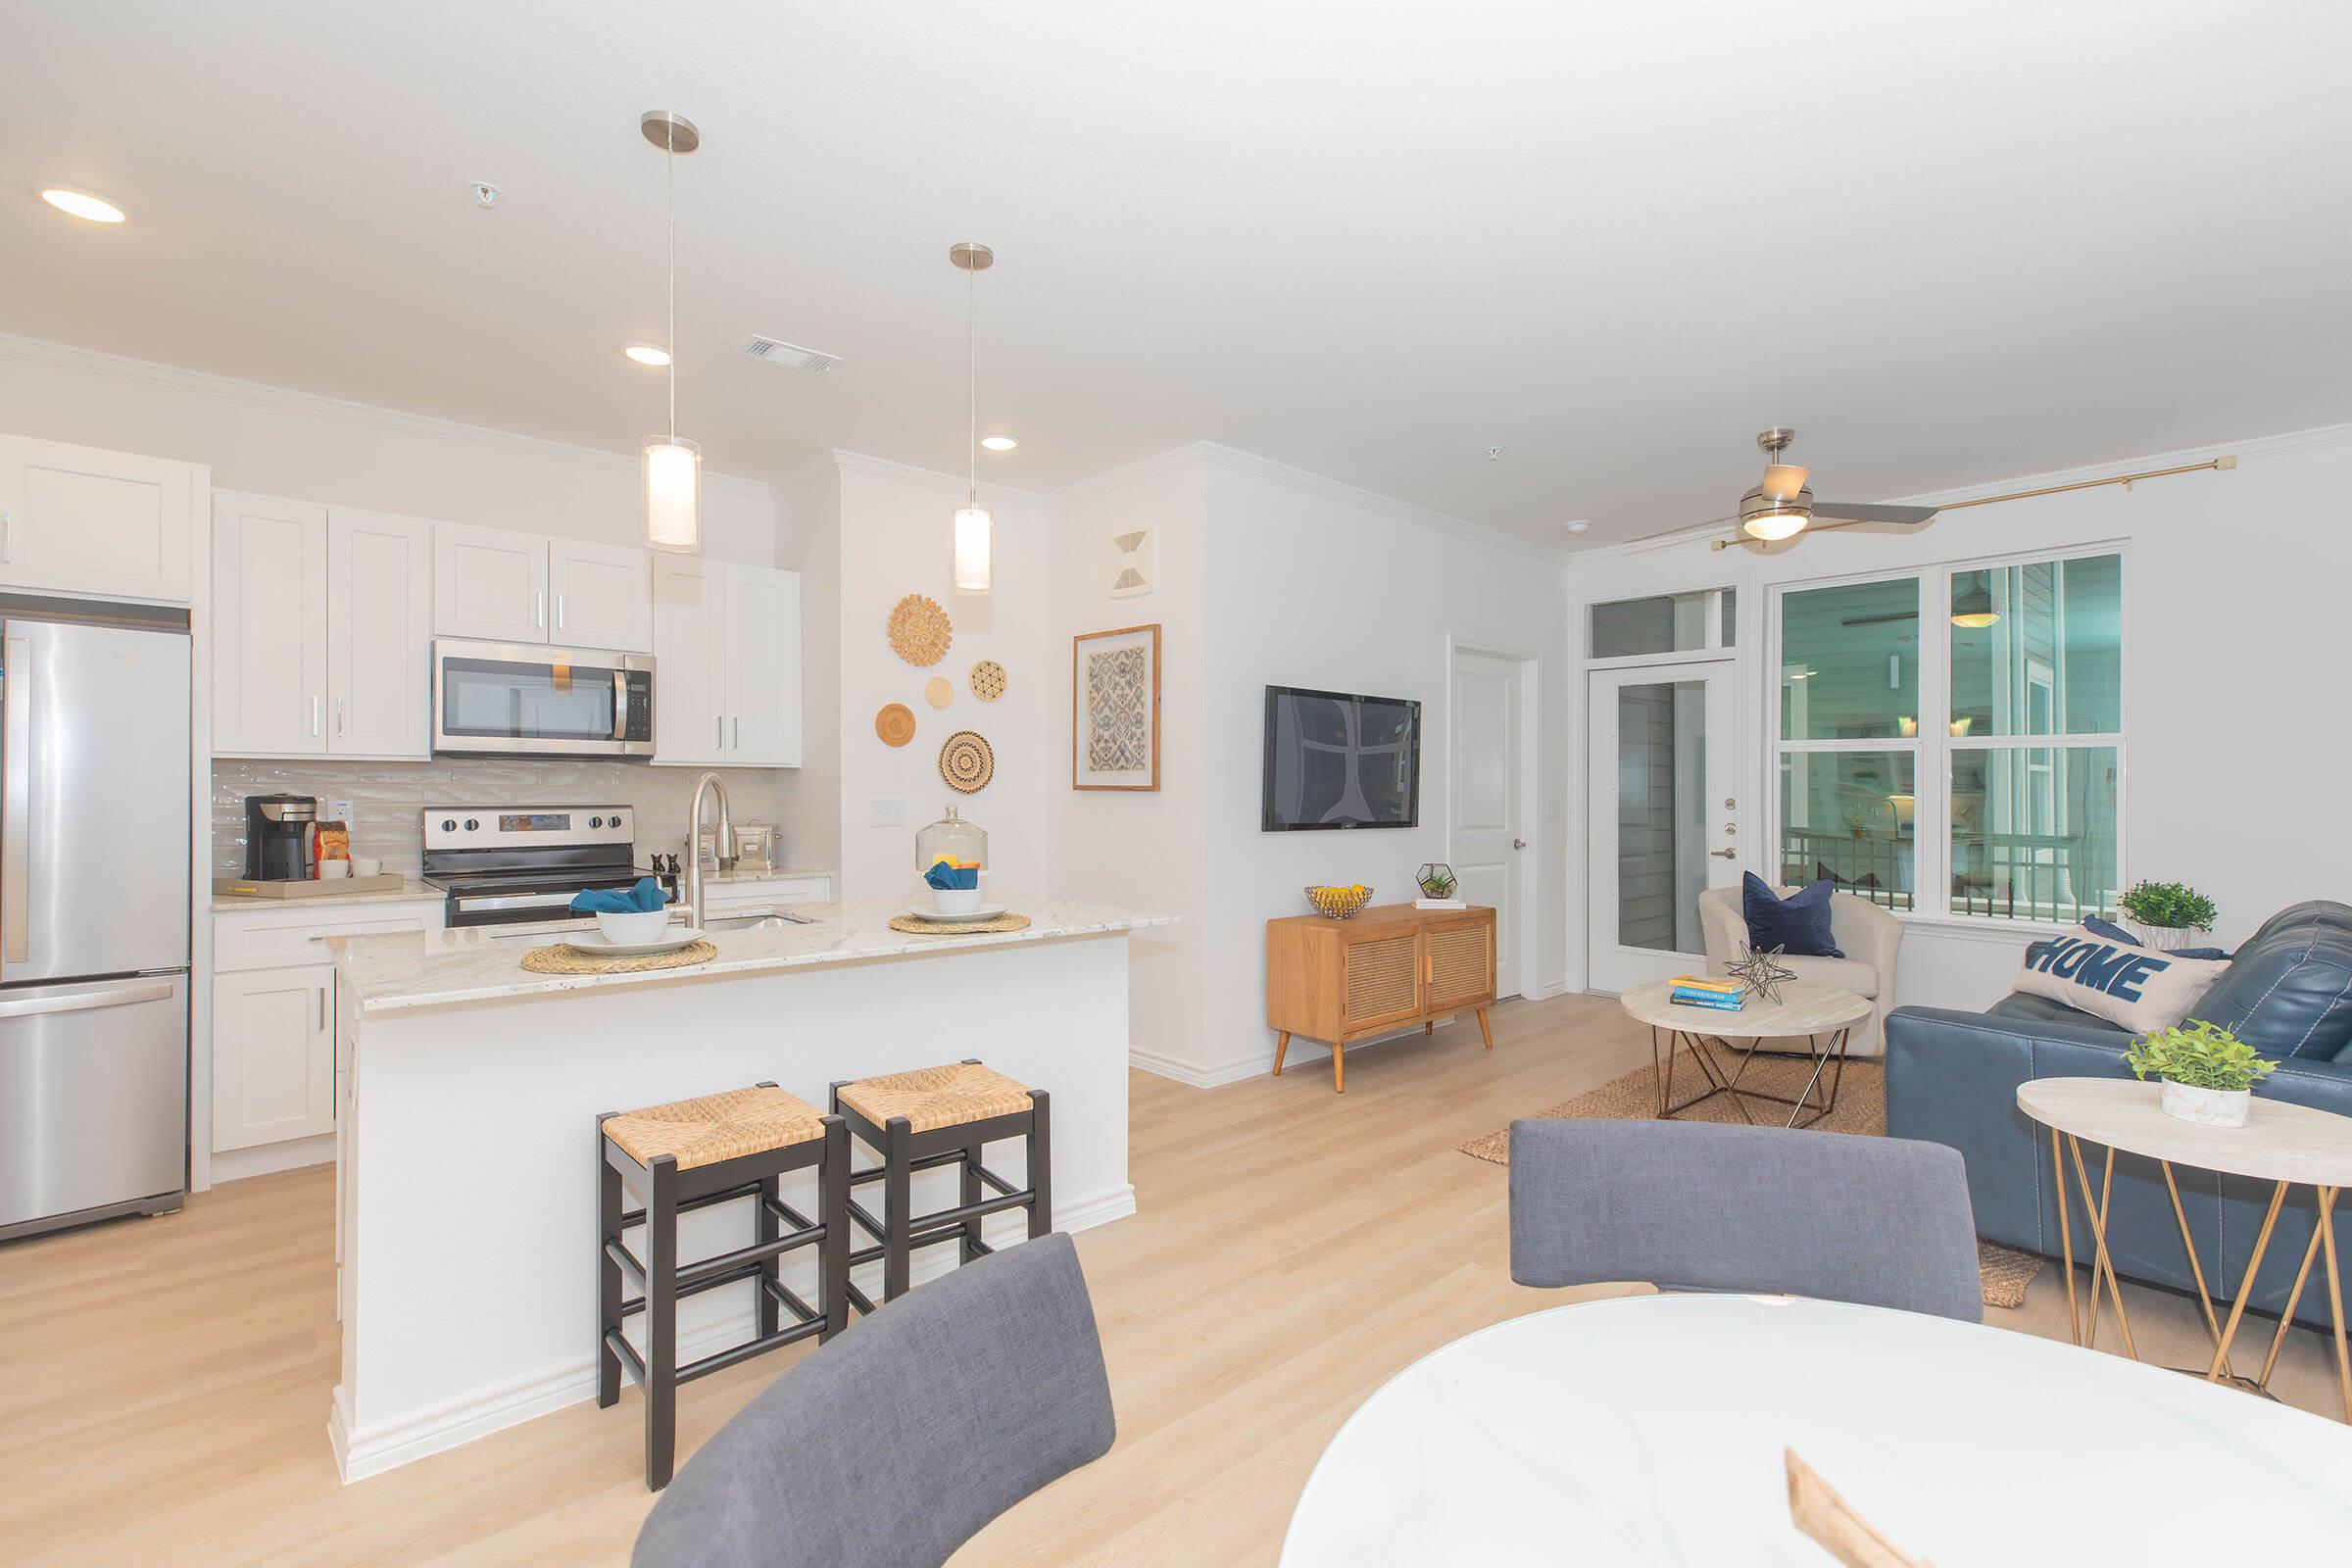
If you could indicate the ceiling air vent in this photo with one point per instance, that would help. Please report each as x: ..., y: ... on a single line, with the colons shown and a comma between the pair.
x: 788, y: 356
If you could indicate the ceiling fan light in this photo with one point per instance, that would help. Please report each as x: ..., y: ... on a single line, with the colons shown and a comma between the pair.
x: 1776, y: 523
x: 1971, y: 607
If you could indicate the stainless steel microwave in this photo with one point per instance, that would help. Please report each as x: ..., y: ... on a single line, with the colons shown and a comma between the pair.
x: 526, y: 699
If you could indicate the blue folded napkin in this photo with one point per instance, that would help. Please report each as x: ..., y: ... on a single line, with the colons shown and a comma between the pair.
x: 943, y: 875
x: 646, y: 897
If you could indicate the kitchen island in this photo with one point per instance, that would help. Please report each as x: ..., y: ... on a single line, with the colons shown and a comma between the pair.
x: 468, y: 1091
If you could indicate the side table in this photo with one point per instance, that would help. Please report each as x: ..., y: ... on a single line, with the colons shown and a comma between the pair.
x: 2286, y: 1145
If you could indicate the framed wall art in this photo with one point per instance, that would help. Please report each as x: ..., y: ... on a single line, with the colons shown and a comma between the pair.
x: 1114, y: 710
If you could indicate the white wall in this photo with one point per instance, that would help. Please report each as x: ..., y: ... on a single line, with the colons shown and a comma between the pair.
x: 895, y: 539
x: 2233, y: 648
x: 809, y: 542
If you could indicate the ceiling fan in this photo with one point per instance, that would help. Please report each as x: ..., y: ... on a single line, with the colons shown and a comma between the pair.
x: 1781, y: 506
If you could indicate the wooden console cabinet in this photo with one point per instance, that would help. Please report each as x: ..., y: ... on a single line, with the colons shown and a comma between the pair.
x: 1340, y: 980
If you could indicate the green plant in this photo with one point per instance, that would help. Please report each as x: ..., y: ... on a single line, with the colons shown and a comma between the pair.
x: 2199, y: 1055
x: 2172, y: 905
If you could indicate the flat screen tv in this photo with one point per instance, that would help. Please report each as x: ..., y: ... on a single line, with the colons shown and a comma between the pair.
x: 1336, y: 760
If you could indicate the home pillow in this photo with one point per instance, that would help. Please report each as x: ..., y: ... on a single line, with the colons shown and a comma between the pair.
x: 2139, y: 987
x: 2108, y: 929
x: 1798, y: 924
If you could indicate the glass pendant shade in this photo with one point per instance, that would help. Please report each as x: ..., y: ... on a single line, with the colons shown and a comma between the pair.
x: 1971, y: 607
x: 1771, y: 525
x: 973, y: 549
x: 673, y: 494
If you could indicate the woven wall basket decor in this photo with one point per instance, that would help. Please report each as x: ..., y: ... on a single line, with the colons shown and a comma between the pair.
x: 939, y: 691
x: 895, y: 725
x: 919, y: 631
x: 966, y: 762
x: 988, y: 680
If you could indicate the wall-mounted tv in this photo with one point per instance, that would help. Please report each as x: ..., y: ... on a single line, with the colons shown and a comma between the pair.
x: 1336, y: 760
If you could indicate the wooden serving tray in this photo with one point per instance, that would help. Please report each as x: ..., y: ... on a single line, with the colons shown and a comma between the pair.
x: 340, y: 887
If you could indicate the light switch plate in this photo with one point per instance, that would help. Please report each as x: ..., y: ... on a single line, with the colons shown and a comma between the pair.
x: 881, y: 812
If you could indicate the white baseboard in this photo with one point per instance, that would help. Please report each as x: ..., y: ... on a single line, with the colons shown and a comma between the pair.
x: 1554, y: 986
x: 389, y: 1444
x: 267, y: 1159
x: 1260, y: 1062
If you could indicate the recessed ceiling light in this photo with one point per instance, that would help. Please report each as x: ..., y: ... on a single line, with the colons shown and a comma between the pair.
x: 1578, y: 525
x: 998, y: 443
x: 652, y: 354
x: 82, y: 204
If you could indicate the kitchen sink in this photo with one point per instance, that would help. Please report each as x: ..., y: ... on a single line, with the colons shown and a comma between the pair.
x: 756, y: 920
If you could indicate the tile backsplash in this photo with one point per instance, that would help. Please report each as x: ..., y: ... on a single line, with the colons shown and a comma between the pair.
x: 388, y: 798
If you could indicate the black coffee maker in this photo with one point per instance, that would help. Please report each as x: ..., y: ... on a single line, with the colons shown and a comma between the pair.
x: 278, y: 837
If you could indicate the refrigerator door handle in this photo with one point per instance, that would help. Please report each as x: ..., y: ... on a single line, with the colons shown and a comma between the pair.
x: 118, y: 995
x: 16, y: 799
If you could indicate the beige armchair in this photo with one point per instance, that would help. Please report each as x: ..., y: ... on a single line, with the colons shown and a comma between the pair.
x: 1869, y: 937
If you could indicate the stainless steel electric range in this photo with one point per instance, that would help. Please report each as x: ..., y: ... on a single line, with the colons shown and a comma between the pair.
x: 504, y: 865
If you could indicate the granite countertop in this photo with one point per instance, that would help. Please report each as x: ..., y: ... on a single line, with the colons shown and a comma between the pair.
x: 409, y: 889
x: 479, y: 963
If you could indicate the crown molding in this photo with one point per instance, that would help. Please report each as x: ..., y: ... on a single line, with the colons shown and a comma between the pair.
x: 2254, y: 449
x: 908, y: 473
x: 94, y: 362
x: 1190, y: 455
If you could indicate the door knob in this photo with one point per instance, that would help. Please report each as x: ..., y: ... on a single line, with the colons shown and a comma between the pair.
x: 1518, y: 844
x: 1725, y: 855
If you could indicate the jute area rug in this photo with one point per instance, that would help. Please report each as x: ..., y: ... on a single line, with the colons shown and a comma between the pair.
x: 1861, y: 1108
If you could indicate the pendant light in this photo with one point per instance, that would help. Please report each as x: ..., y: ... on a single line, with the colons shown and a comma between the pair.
x: 974, y: 524
x: 1971, y: 607
x: 674, y: 467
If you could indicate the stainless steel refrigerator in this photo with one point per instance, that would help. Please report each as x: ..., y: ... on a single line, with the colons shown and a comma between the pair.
x: 95, y: 817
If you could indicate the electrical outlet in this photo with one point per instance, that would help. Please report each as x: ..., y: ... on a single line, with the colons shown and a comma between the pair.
x: 340, y: 812
x: 880, y: 812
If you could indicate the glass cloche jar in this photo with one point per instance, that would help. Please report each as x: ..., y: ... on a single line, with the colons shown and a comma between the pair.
x: 951, y: 839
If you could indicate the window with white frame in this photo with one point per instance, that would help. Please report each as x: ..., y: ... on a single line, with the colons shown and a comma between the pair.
x: 1950, y: 742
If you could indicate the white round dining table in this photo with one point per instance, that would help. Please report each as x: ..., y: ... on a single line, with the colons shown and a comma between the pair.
x: 1650, y: 1429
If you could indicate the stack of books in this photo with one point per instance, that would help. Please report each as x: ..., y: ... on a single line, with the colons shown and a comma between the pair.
x: 1707, y: 991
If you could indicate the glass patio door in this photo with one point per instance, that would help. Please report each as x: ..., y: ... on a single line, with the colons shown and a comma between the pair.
x: 1663, y: 816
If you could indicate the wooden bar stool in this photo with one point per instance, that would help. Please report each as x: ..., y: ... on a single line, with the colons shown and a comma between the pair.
x: 938, y: 1117
x: 695, y: 1154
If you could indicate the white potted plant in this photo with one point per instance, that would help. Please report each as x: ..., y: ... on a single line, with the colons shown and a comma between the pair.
x: 2209, y: 1073
x: 2166, y: 916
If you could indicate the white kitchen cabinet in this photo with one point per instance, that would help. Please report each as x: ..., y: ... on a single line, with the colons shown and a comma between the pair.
x: 726, y: 664
x: 110, y: 525
x: 763, y: 668
x: 379, y: 635
x: 322, y: 631
x: 268, y: 626
x: 603, y: 596
x: 489, y: 584
x: 273, y: 1059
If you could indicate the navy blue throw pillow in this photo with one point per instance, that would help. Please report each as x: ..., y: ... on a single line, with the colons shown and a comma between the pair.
x: 1798, y: 924
x: 2112, y: 932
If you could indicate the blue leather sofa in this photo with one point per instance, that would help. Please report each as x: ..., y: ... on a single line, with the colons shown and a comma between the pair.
x: 1952, y: 1077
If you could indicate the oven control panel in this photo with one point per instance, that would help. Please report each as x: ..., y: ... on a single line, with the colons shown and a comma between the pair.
x: 527, y: 827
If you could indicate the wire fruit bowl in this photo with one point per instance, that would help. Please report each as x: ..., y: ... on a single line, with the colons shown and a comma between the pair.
x: 1340, y: 904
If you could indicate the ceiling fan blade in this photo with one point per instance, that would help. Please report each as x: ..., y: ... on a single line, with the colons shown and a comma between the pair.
x: 1713, y: 522
x: 1860, y: 511
x: 1783, y: 481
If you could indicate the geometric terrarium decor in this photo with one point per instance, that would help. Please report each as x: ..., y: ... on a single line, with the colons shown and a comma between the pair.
x: 1437, y: 880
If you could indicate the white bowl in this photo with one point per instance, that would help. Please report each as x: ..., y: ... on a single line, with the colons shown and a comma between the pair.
x: 643, y: 925
x: 955, y: 900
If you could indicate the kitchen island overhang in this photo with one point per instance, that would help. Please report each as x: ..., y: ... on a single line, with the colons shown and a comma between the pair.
x: 468, y: 1089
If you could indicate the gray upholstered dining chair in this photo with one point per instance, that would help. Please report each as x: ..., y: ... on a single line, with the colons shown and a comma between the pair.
x: 893, y: 1443
x: 1692, y: 1205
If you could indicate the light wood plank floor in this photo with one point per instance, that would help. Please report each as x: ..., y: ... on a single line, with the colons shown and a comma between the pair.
x: 163, y: 1383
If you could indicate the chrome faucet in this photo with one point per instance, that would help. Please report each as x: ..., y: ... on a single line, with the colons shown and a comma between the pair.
x: 723, y: 846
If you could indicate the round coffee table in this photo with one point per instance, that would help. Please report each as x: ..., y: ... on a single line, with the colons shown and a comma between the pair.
x: 2283, y: 1144
x: 1726, y: 1044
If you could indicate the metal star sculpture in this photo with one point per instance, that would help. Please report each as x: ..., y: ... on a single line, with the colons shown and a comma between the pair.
x: 1760, y: 973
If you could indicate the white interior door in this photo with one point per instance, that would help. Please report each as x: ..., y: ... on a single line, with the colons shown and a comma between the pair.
x: 1663, y: 815
x: 1485, y: 801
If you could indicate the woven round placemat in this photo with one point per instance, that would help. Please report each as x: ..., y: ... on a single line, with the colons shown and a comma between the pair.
x: 919, y: 632
x: 967, y: 762
x: 957, y: 928
x: 988, y: 680
x: 939, y: 691
x: 561, y: 960
x: 895, y: 725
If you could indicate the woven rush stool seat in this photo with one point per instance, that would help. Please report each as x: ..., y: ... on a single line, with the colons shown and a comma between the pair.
x: 927, y: 1119
x: 931, y: 1097
x: 714, y: 1127
x: 697, y: 1154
